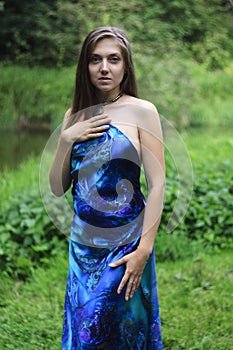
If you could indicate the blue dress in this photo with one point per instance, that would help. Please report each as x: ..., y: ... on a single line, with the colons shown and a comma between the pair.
x: 107, y: 223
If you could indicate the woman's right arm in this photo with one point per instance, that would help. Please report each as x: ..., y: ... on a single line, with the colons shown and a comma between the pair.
x: 59, y: 176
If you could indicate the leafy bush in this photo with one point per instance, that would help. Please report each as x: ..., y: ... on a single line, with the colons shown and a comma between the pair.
x: 27, y: 236
x: 210, y: 213
x: 208, y: 222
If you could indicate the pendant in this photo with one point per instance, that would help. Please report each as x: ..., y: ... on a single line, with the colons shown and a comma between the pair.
x: 99, y: 109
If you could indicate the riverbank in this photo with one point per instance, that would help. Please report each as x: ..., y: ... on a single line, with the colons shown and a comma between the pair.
x: 16, y: 146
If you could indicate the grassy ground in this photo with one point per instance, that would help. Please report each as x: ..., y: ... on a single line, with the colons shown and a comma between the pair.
x: 31, y: 313
x: 196, y: 303
x: 195, y: 300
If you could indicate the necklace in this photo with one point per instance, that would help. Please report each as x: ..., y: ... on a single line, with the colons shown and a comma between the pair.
x: 99, y: 109
x: 114, y: 99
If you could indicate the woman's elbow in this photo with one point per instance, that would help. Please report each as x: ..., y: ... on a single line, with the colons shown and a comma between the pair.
x: 56, y: 187
x: 57, y: 192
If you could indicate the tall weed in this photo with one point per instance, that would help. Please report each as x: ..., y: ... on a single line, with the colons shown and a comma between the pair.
x: 34, y: 96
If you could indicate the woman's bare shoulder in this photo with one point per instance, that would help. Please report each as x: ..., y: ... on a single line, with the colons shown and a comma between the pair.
x: 67, y: 113
x: 66, y: 118
x: 146, y: 116
x: 142, y: 103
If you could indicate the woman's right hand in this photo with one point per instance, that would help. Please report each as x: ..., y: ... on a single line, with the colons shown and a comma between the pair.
x: 87, y: 129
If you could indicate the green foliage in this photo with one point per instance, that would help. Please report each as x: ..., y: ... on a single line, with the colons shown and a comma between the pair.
x: 27, y: 236
x: 22, y: 180
x: 40, y: 32
x: 50, y: 33
x: 33, y: 97
x: 208, y: 221
x: 198, y: 25
x: 213, y: 90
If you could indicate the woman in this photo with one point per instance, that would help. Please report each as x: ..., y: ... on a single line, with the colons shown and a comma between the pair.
x: 111, y: 296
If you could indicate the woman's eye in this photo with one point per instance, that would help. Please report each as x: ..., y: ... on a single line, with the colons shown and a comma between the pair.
x: 114, y: 59
x: 94, y: 59
x: 98, y: 59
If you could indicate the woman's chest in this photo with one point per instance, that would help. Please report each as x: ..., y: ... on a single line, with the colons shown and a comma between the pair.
x: 132, y: 134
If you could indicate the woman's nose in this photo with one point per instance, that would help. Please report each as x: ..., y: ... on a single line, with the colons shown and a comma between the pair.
x: 104, y: 66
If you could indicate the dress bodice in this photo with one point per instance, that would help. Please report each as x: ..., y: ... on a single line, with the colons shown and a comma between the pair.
x: 108, y: 202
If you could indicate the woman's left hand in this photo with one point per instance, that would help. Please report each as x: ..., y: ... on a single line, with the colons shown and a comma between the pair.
x: 135, y: 263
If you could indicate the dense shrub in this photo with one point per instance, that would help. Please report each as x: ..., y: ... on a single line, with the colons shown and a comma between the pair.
x: 27, y: 235
x: 208, y: 221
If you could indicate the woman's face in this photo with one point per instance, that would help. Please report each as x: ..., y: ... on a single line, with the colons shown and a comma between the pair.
x: 106, y: 68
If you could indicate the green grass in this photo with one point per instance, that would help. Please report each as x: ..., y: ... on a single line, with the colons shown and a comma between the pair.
x: 23, y: 179
x: 209, y: 145
x: 196, y: 303
x: 42, y: 98
x: 31, y: 313
x: 195, y: 300
x: 213, y: 105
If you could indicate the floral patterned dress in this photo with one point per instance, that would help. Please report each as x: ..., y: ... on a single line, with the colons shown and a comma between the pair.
x: 107, y: 223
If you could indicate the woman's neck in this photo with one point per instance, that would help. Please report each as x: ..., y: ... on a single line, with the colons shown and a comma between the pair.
x: 109, y: 97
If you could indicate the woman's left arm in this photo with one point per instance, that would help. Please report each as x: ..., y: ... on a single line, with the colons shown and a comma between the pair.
x: 152, y: 149
x: 152, y: 152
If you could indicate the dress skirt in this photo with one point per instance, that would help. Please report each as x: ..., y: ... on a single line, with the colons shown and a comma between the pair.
x: 95, y: 316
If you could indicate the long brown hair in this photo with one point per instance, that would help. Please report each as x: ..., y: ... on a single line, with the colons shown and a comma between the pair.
x: 84, y: 94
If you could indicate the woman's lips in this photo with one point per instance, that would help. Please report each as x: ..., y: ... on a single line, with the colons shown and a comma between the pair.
x: 104, y: 79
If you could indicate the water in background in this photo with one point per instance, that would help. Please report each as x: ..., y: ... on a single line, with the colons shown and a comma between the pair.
x: 17, y: 146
